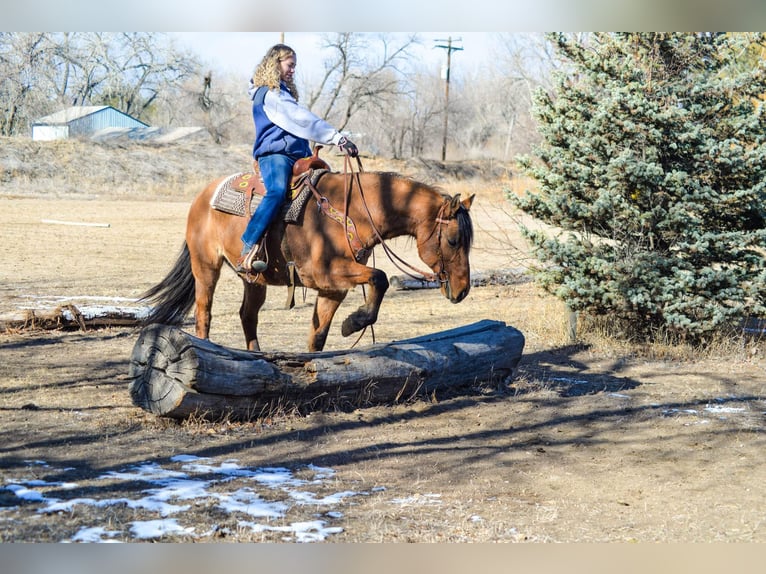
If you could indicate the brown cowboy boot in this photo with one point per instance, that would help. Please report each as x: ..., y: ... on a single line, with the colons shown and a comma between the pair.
x: 247, y: 263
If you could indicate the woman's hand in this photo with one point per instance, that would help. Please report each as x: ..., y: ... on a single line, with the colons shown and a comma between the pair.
x: 348, y: 147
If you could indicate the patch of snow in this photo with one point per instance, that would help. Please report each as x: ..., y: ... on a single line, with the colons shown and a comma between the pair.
x: 312, y: 531
x: 191, y: 485
x: 95, y: 534
x: 717, y: 409
x: 24, y: 493
x: 419, y: 500
x: 157, y: 528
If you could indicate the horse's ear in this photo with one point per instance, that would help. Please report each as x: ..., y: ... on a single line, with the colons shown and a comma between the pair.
x: 454, y: 205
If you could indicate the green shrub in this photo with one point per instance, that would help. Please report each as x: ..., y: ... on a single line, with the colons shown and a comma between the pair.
x: 651, y: 172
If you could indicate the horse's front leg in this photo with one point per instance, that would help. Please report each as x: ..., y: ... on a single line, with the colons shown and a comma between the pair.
x: 252, y: 301
x: 367, y: 314
x: 325, y: 306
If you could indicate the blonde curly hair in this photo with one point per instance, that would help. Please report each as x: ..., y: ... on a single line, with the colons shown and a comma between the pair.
x: 267, y: 72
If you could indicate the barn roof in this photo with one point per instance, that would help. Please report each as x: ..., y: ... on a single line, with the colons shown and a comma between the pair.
x: 76, y: 112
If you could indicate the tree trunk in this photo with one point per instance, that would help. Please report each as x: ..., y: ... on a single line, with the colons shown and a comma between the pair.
x: 177, y: 375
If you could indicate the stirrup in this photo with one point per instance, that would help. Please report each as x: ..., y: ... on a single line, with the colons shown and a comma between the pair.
x: 249, y: 264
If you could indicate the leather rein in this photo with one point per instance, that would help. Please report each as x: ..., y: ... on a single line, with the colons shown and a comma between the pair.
x: 350, y: 175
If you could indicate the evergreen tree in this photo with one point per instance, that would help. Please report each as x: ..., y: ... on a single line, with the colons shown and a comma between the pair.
x: 652, y: 172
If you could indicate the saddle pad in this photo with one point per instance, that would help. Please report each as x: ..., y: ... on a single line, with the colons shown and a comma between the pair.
x: 299, y: 198
x: 230, y: 196
x: 295, y: 207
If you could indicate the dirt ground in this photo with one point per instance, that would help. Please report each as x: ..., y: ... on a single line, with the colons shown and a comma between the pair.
x: 587, y: 443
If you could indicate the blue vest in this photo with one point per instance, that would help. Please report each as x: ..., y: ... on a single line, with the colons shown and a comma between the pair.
x: 270, y: 138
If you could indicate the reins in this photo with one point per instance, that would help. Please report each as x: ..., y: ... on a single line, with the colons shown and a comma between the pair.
x: 395, y: 259
x: 350, y: 175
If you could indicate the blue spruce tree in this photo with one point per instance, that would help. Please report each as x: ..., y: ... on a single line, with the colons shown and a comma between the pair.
x: 652, y: 174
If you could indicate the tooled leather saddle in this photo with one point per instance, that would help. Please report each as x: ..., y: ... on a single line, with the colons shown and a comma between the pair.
x: 240, y: 193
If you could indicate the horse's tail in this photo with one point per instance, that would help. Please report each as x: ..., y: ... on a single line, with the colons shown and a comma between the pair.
x: 173, y: 297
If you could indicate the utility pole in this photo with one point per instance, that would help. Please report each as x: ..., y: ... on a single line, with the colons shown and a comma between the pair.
x: 450, y: 48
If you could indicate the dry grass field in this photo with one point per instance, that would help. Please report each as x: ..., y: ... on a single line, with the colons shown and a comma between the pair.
x: 590, y: 442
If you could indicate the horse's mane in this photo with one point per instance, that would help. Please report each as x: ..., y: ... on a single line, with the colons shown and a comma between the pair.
x: 464, y: 223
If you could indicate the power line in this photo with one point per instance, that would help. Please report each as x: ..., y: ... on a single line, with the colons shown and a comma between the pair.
x: 450, y: 48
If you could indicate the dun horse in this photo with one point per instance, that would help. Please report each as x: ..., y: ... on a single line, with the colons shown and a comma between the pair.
x: 320, y: 253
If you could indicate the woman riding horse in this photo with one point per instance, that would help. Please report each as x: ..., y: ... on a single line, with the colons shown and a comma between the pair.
x: 282, y: 131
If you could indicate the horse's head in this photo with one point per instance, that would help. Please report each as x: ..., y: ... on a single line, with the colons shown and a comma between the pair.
x: 446, y: 250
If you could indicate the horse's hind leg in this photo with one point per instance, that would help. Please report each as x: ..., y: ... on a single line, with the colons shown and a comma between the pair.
x: 252, y: 301
x: 206, y: 278
x: 326, y: 305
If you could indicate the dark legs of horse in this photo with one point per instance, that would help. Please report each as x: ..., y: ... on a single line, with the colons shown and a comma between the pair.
x: 206, y: 279
x: 326, y: 304
x: 367, y: 314
x: 252, y: 301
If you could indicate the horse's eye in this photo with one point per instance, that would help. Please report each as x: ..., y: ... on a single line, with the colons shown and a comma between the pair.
x: 453, y: 241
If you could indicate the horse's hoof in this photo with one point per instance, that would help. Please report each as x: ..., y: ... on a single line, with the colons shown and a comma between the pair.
x: 349, y: 327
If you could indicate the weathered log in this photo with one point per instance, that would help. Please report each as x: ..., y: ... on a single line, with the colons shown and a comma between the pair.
x: 73, y: 317
x: 176, y: 375
x: 478, y: 279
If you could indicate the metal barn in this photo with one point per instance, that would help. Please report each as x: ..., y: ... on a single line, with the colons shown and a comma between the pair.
x: 81, y: 121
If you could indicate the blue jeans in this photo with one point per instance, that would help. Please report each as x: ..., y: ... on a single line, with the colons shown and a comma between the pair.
x: 276, y: 170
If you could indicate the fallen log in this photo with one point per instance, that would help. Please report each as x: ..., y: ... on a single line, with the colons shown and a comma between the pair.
x: 73, y: 317
x: 177, y: 375
x: 478, y: 279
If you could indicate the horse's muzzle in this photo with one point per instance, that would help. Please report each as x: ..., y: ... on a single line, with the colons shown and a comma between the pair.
x: 454, y: 298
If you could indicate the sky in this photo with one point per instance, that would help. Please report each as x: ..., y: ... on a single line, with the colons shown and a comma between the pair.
x: 239, y: 52
x: 305, y: 15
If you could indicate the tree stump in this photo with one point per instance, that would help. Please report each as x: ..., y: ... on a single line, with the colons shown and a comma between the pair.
x: 175, y: 374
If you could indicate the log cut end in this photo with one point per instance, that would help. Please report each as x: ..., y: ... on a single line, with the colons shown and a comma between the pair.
x: 161, y: 368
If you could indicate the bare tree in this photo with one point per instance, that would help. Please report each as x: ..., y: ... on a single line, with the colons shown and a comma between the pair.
x: 360, y: 73
x: 41, y: 72
x: 474, y: 113
x: 144, y: 64
x: 216, y: 101
x: 23, y: 56
x: 528, y: 62
x: 80, y: 68
x: 427, y: 110
x: 406, y: 123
